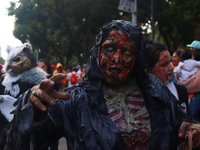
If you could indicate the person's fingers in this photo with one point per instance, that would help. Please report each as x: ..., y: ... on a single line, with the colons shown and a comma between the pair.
x: 183, y: 129
x: 57, y: 76
x: 60, y: 95
x: 37, y: 96
x: 46, y: 85
x: 38, y: 104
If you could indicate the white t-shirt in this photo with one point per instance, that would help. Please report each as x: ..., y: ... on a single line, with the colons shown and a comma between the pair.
x: 172, y: 88
x: 69, y: 76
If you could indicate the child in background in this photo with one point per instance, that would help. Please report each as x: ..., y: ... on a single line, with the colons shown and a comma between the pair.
x: 187, y: 66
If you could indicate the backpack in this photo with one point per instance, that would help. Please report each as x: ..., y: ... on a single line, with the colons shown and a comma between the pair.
x: 73, y: 78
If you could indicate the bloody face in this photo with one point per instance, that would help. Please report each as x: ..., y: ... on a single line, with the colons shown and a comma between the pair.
x: 117, y: 59
x: 163, y: 67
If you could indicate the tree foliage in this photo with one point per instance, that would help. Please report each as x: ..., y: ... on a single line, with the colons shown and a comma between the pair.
x: 176, y: 21
x: 2, y: 60
x: 63, y: 28
x: 66, y: 28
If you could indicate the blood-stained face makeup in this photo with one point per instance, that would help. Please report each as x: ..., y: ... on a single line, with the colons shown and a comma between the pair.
x: 117, y: 57
x: 163, y: 67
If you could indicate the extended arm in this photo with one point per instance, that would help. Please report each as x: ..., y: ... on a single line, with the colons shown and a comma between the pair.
x: 32, y: 125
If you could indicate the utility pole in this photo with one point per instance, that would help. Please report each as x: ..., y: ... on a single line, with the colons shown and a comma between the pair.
x: 134, y: 14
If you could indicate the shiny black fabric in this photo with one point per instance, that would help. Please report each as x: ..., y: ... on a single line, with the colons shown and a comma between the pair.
x: 86, y: 128
x: 83, y: 126
x: 166, y: 115
x: 22, y: 86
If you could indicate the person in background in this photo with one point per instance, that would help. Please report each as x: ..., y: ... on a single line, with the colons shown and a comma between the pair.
x: 188, y: 66
x: 176, y: 58
x: 20, y: 74
x: 45, y: 65
x: 83, y: 70
x: 159, y: 64
x: 195, y: 45
x: 59, y: 69
x: 175, y: 61
x: 69, y: 77
x: 1, y: 72
x: 68, y: 69
x: 118, y: 105
x: 188, y: 72
x: 53, y: 67
x: 79, y: 72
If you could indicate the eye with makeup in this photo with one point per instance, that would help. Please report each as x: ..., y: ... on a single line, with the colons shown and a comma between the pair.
x: 109, y: 49
x: 127, y: 53
x: 165, y: 64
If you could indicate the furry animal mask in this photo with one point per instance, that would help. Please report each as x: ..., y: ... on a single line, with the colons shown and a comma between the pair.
x: 19, y: 59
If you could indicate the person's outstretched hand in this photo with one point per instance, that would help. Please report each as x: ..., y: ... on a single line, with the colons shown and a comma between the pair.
x: 45, y: 92
x: 191, y: 133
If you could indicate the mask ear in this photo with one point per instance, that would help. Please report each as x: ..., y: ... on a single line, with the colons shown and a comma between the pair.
x: 27, y: 48
x: 9, y: 48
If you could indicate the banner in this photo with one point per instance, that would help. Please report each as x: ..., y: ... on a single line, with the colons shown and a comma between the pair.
x: 127, y: 6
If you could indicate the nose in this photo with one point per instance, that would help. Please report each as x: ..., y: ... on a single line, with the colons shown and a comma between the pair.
x: 117, y: 56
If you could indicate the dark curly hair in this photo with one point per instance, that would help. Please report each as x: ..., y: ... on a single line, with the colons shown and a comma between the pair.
x: 153, y: 50
x: 186, y: 54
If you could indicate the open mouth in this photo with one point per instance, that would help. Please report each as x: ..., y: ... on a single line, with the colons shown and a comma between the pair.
x: 115, y: 70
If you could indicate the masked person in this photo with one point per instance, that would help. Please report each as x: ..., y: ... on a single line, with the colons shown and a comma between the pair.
x: 116, y: 106
x: 20, y: 74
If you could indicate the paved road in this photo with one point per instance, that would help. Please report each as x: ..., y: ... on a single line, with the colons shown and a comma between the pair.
x: 62, y: 144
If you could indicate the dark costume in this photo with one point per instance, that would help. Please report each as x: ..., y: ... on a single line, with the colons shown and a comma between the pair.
x: 183, y: 97
x: 12, y: 85
x: 144, y: 115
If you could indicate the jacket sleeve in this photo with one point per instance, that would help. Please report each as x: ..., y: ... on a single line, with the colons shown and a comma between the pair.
x: 32, y: 128
x: 183, y: 96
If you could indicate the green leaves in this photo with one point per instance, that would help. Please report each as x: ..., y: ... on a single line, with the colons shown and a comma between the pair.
x: 66, y: 28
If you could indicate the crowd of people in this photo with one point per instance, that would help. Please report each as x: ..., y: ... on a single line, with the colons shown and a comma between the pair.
x: 133, y: 96
x: 73, y: 75
x: 186, y: 72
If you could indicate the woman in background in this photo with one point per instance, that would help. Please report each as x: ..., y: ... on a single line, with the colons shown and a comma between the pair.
x: 84, y: 70
x: 176, y: 57
x: 159, y: 64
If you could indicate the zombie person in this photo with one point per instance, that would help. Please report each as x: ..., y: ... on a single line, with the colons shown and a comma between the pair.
x: 116, y: 106
x: 20, y: 74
